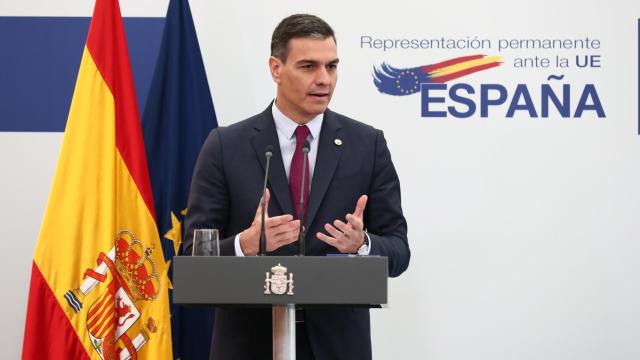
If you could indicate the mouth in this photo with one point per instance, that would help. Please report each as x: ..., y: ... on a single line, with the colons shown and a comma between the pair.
x: 319, y: 95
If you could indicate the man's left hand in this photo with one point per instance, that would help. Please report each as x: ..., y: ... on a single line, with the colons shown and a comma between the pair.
x: 347, y: 237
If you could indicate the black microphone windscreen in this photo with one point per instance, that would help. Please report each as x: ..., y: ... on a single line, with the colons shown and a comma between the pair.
x: 306, y: 147
x: 268, y: 151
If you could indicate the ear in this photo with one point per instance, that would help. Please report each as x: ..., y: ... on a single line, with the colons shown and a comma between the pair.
x: 275, y: 65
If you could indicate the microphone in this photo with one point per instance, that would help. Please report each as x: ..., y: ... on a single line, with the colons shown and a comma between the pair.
x: 262, y: 249
x: 302, y: 234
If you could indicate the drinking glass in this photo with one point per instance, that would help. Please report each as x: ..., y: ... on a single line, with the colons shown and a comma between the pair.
x: 206, y: 242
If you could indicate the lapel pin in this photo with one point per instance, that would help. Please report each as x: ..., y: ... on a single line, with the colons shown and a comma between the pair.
x: 337, y: 142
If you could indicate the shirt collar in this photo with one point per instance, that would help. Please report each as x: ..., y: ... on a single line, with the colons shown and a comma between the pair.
x: 288, y: 127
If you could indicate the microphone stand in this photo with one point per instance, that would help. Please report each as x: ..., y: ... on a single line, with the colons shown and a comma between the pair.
x: 262, y: 249
x: 302, y: 234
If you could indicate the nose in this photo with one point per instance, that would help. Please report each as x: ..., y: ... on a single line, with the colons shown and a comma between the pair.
x: 322, y: 76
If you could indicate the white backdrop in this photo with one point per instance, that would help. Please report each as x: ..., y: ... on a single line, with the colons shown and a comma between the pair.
x: 524, y: 232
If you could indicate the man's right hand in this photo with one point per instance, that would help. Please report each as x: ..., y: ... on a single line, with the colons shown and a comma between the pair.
x: 280, y: 230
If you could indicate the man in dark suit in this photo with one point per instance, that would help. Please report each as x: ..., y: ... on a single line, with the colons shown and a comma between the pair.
x: 353, y: 198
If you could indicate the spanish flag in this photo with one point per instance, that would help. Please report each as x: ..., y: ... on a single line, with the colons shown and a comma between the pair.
x: 99, y: 282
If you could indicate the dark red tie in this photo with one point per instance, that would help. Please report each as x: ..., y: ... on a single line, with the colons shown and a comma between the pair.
x: 295, y: 172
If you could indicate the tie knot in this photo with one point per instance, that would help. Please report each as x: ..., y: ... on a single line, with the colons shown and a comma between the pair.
x: 302, y: 132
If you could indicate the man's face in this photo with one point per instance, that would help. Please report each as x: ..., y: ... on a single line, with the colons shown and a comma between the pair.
x: 307, y: 79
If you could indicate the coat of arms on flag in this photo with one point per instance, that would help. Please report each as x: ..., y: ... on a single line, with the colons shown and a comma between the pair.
x: 125, y: 276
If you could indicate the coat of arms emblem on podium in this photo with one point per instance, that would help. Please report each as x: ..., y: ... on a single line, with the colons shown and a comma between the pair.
x: 277, y: 282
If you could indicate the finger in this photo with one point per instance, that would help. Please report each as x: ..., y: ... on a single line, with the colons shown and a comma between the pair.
x: 328, y: 239
x: 337, y: 234
x: 352, y: 236
x: 278, y: 220
x: 276, y: 242
x: 355, y: 222
x: 289, y: 226
x: 284, y: 238
x: 360, y: 205
x: 267, y: 196
x: 342, y: 226
x: 266, y: 201
x: 284, y: 234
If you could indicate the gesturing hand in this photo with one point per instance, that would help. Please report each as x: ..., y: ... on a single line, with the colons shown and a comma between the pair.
x: 347, y: 237
x: 280, y: 230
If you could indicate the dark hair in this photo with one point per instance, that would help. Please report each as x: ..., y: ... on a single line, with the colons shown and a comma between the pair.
x: 298, y: 26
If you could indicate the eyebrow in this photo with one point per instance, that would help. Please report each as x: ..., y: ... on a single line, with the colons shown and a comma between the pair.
x: 309, y: 61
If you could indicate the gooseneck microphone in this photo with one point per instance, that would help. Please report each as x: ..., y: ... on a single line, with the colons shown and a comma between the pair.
x: 302, y: 233
x: 262, y: 250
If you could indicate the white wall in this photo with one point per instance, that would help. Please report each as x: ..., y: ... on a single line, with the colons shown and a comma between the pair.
x: 524, y: 232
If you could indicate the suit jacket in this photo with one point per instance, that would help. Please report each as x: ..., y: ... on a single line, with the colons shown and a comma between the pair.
x: 225, y: 192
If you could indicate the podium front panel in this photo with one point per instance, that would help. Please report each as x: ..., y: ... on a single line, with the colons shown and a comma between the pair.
x: 307, y: 280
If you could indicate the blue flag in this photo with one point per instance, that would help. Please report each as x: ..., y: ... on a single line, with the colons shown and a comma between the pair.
x: 177, y: 118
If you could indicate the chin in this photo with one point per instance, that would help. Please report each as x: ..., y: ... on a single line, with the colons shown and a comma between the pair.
x: 317, y: 108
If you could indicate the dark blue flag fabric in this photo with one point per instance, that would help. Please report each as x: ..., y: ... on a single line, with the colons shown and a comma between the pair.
x: 177, y: 118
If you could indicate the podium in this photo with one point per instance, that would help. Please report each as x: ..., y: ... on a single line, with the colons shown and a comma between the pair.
x: 281, y: 282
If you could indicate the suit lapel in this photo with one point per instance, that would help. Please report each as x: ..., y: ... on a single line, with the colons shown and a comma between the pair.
x: 266, y: 135
x: 327, y: 160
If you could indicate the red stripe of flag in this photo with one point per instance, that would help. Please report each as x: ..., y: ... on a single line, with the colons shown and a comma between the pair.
x: 455, y: 75
x: 46, y: 317
x: 432, y: 67
x: 110, y: 54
